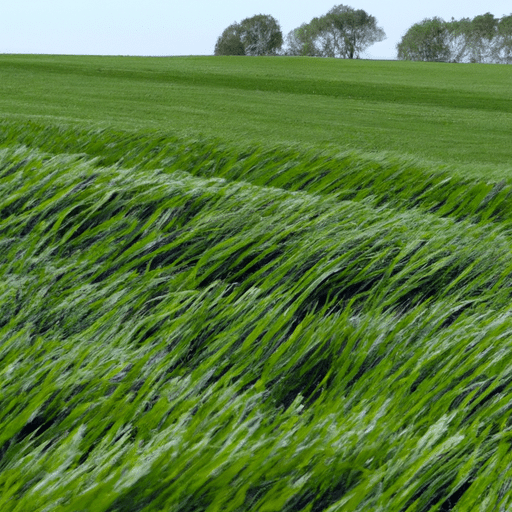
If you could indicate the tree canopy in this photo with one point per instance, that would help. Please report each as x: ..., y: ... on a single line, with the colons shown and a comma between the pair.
x: 481, y: 39
x: 301, y: 41
x: 258, y: 35
x: 230, y: 42
x: 427, y: 40
x: 343, y: 32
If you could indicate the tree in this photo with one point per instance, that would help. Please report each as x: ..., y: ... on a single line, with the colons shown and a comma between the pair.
x: 301, y: 41
x: 230, y: 42
x: 481, y: 39
x: 502, y: 48
x: 483, y: 30
x: 459, y: 35
x: 472, y: 40
x: 343, y: 32
x: 261, y: 35
x: 427, y: 40
x: 346, y: 32
x: 258, y: 35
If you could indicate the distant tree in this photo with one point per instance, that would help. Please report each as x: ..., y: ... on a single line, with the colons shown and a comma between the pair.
x: 343, y: 32
x: 301, y: 41
x: 427, y: 40
x: 346, y: 32
x: 502, y: 48
x: 261, y: 35
x: 230, y: 42
x: 481, y: 39
x: 258, y: 35
x: 459, y: 35
x: 482, y: 32
x: 472, y: 40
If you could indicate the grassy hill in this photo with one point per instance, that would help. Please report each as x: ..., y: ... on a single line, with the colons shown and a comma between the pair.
x: 254, y: 285
x: 439, y: 112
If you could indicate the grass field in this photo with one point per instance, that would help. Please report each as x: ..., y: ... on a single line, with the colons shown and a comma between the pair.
x: 444, y: 113
x: 236, y: 284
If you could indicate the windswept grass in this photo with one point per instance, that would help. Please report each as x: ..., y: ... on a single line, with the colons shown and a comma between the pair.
x: 187, y: 325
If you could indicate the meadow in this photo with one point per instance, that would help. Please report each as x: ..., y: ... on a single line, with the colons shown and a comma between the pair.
x: 439, y: 112
x: 254, y: 284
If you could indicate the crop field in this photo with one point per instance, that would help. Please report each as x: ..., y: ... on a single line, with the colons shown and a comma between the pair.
x: 444, y: 113
x: 269, y: 284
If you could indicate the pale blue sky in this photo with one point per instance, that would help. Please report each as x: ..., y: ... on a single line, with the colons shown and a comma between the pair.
x: 191, y: 27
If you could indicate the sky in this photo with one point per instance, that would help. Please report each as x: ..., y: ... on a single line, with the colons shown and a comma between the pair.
x: 191, y: 27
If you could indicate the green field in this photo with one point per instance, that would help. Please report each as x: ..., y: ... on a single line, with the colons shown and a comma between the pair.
x: 444, y: 113
x: 254, y: 284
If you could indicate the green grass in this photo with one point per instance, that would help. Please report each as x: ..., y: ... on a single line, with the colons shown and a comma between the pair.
x: 199, y: 318
x: 458, y: 114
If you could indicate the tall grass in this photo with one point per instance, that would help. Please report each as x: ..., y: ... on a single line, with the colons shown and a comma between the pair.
x: 345, y: 175
x: 189, y: 326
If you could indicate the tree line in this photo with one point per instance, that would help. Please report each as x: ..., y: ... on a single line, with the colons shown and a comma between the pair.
x: 345, y: 32
x: 484, y: 39
x: 342, y: 32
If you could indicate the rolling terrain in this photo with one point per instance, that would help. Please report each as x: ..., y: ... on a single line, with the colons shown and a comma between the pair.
x: 235, y: 284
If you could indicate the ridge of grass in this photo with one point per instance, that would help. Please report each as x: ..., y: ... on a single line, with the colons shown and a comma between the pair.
x: 350, y: 175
